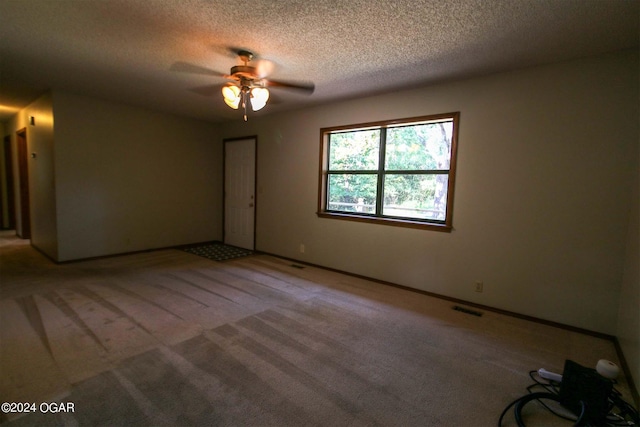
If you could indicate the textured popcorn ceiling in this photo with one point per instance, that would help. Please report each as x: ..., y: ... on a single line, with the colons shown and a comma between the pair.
x: 125, y: 50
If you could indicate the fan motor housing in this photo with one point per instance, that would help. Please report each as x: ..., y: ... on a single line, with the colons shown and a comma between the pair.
x: 245, y: 71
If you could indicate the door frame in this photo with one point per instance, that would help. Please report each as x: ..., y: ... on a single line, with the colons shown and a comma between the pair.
x: 255, y: 184
x: 23, y: 180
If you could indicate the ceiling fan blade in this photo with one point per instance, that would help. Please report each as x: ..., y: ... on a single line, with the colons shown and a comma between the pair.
x: 275, y: 99
x: 185, y: 67
x: 306, y: 87
x: 207, y: 90
x: 264, y: 67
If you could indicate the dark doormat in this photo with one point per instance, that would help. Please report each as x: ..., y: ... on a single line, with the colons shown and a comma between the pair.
x: 216, y: 251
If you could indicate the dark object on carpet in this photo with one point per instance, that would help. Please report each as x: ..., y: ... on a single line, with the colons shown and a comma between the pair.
x: 584, y: 388
x: 217, y: 251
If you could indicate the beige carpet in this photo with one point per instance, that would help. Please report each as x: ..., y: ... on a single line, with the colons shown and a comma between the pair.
x: 170, y: 338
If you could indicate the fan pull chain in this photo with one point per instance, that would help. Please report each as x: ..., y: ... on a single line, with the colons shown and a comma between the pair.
x: 244, y: 104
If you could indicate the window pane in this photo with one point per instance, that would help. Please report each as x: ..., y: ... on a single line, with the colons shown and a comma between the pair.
x: 419, y: 147
x: 352, y: 193
x: 416, y: 196
x: 358, y: 150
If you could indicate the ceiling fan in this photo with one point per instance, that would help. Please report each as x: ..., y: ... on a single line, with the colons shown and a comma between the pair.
x: 248, y: 83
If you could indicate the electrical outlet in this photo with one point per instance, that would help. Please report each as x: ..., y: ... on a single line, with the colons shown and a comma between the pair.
x: 479, y: 286
x: 301, y: 248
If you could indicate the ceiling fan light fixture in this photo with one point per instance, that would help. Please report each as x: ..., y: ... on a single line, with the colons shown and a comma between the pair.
x: 259, y: 98
x: 231, y: 94
x: 248, y: 85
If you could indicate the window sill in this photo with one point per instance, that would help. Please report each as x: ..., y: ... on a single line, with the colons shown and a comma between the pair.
x: 387, y: 221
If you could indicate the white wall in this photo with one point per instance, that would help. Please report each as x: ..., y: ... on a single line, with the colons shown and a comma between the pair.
x: 40, y: 143
x: 542, y: 198
x: 628, y: 332
x: 129, y: 179
x: 40, y: 138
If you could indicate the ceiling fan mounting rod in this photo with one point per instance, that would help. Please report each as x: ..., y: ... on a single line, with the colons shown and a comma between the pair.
x: 245, y: 56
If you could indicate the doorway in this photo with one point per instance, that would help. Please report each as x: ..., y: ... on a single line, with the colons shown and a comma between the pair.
x: 23, y: 181
x: 239, y: 192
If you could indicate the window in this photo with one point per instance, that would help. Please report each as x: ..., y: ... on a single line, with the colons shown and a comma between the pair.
x: 398, y: 172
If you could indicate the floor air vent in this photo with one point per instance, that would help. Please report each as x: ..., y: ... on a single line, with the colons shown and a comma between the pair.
x: 467, y: 311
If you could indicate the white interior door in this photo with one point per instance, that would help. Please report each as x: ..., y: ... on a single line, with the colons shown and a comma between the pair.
x: 239, y: 192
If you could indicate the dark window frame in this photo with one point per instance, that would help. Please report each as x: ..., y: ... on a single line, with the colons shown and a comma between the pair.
x: 445, y: 225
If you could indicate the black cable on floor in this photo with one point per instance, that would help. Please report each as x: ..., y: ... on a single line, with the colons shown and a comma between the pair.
x: 620, y: 413
x: 521, y: 402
